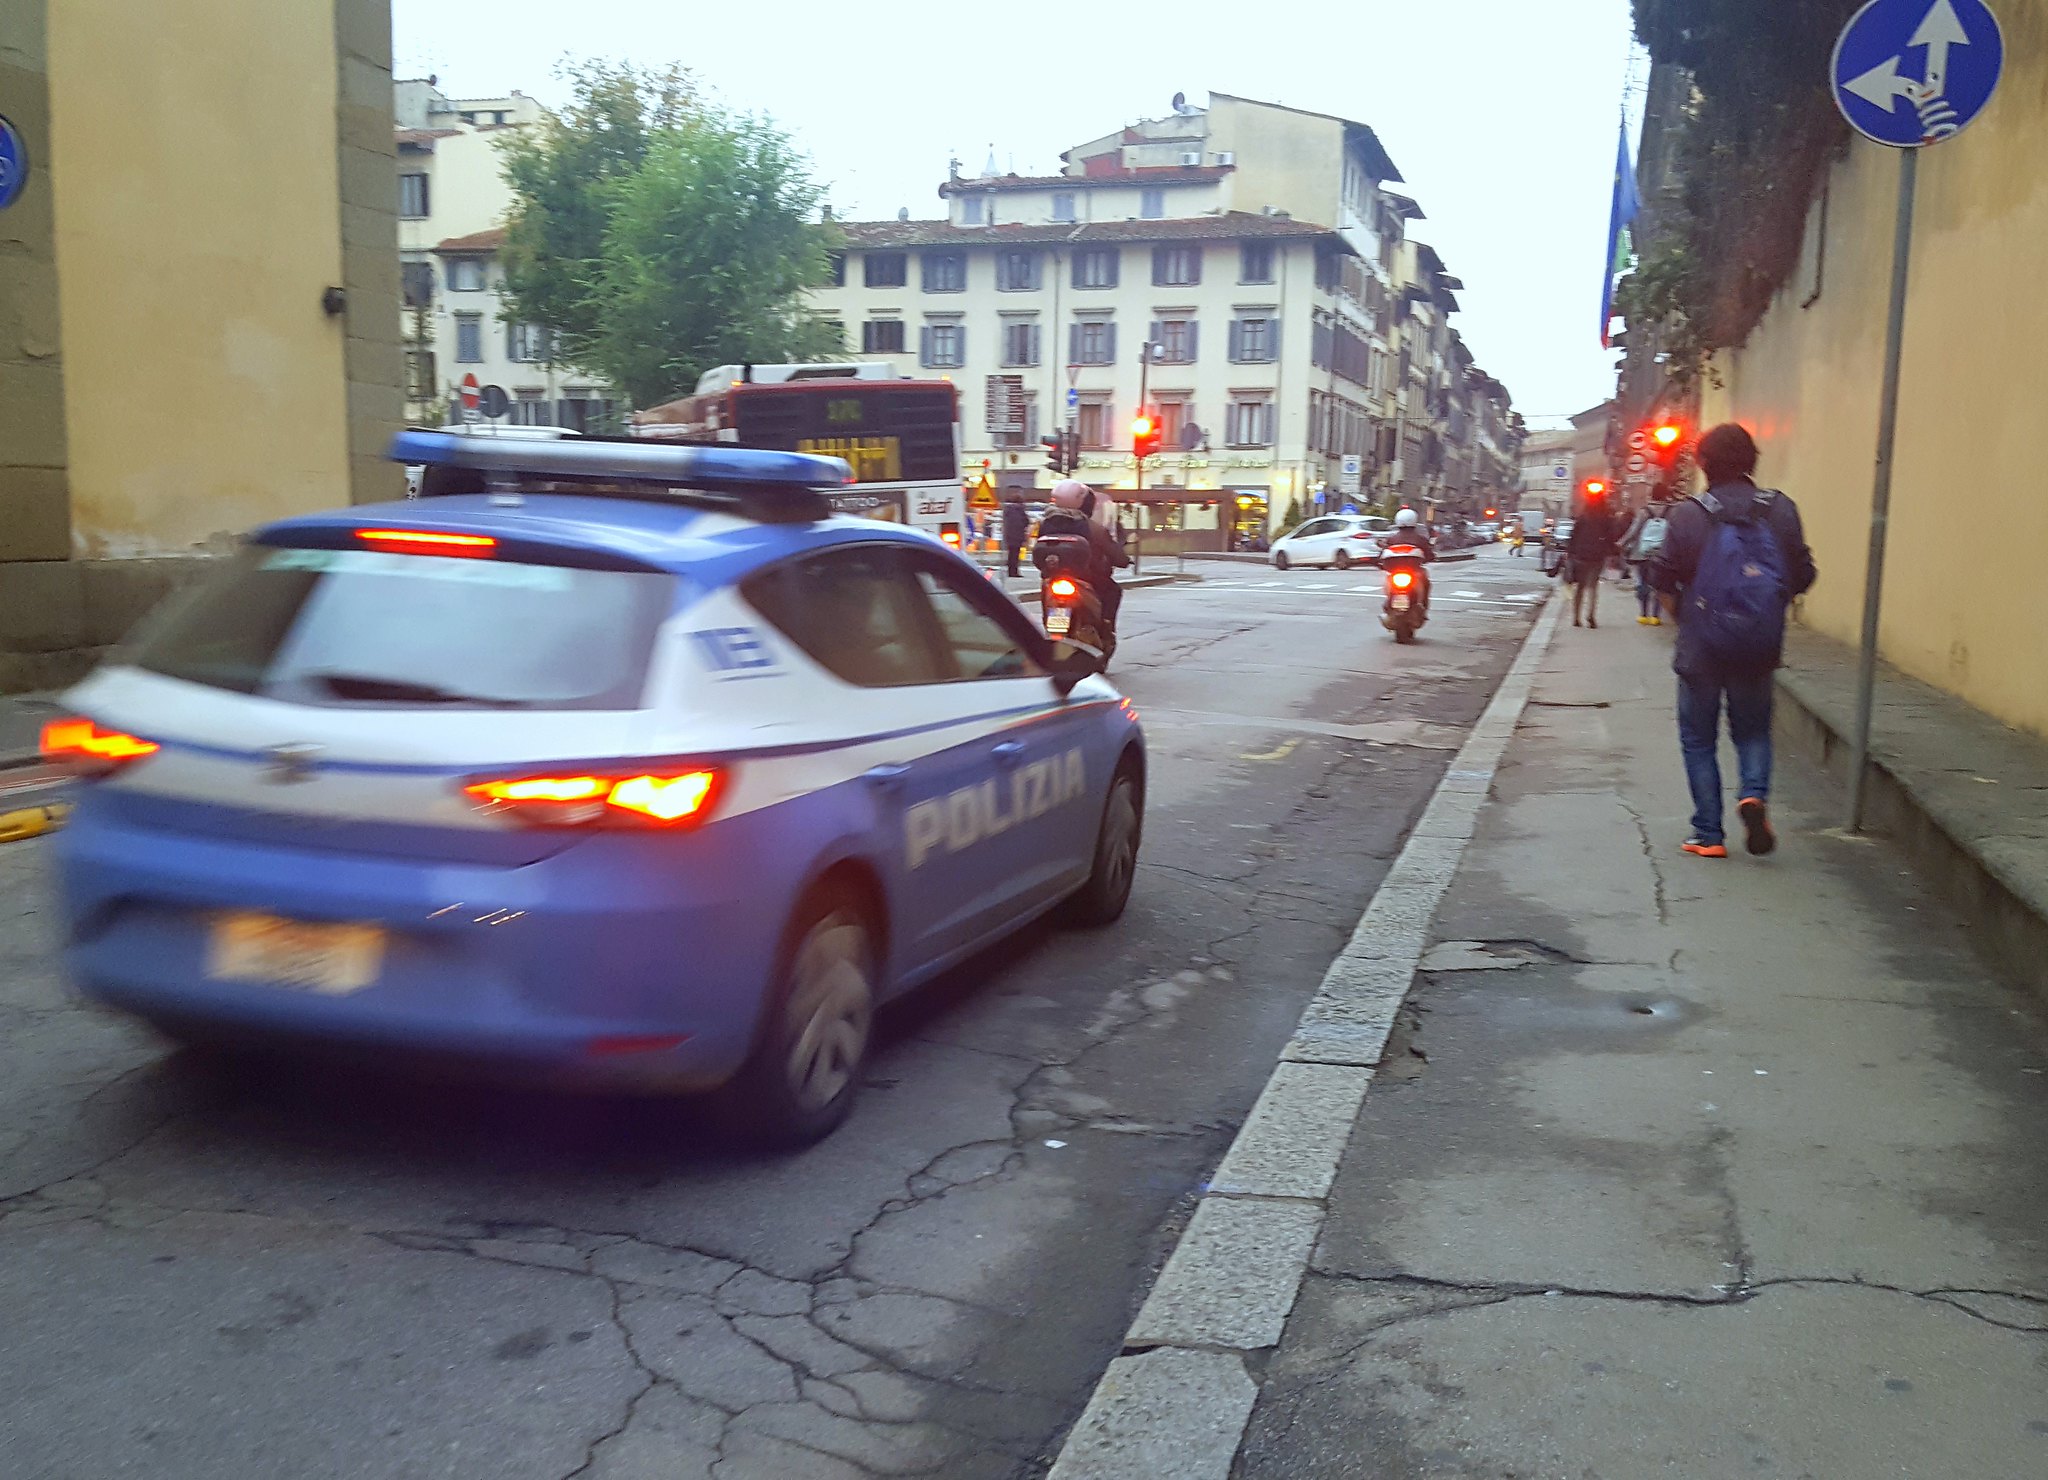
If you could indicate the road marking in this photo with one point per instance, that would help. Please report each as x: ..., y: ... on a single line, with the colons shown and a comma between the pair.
x: 1286, y: 748
x: 1233, y: 1278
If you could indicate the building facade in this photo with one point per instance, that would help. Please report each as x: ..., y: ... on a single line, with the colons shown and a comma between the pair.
x: 452, y: 204
x: 1301, y: 353
x: 186, y: 349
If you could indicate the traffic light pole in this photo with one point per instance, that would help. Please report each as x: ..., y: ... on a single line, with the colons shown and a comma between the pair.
x: 1138, y: 486
x: 1881, y: 491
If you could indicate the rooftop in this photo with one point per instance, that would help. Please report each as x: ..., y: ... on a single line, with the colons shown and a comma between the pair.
x: 1157, y: 175
x: 1225, y: 226
x: 1355, y: 133
x: 487, y: 240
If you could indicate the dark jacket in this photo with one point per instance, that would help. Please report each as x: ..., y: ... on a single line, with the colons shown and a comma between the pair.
x: 1595, y: 533
x: 1016, y: 523
x: 1109, y: 555
x: 1672, y: 568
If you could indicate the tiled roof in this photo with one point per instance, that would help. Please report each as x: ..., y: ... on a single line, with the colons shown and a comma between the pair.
x: 1228, y: 226
x: 477, y: 241
x: 1161, y: 175
x: 422, y: 138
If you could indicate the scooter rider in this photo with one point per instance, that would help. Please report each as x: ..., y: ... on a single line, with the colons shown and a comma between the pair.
x: 1072, y: 512
x: 1408, y: 530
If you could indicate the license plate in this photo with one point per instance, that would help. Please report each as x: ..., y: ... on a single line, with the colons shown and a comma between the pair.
x: 330, y: 959
x: 1058, y: 620
x: 1400, y: 603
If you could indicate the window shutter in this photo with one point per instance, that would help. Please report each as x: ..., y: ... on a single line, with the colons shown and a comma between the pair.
x: 959, y: 344
x: 1194, y: 328
x: 1073, y: 344
x: 1272, y: 339
x: 1031, y: 343
x: 1109, y: 354
x: 1158, y: 332
x: 1194, y: 263
x: 1159, y: 259
x: 1236, y: 340
x: 924, y: 346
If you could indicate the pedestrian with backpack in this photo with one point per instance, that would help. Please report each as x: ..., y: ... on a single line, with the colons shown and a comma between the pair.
x: 1732, y: 560
x: 1644, y: 539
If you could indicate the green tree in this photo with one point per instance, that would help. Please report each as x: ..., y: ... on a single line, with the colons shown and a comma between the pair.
x: 658, y: 236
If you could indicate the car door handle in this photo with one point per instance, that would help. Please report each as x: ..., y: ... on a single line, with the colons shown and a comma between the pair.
x: 886, y: 778
x: 1009, y: 753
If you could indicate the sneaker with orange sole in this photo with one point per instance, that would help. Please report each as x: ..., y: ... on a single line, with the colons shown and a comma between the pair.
x: 1705, y: 850
x: 1758, y: 834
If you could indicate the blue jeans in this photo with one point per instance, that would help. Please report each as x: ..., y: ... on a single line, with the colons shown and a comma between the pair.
x: 1699, y: 736
x: 1646, y: 594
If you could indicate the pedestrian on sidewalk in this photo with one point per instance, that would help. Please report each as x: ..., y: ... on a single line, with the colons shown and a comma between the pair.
x: 1644, y: 539
x: 1595, y: 534
x: 1016, y: 525
x: 1732, y: 561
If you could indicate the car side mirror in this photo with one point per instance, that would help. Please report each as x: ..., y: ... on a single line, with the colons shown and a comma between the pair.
x: 1072, y: 662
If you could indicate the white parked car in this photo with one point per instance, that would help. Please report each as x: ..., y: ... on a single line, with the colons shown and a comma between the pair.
x: 1341, y: 540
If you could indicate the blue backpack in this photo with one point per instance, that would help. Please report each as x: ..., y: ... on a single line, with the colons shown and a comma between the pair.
x: 1735, y: 602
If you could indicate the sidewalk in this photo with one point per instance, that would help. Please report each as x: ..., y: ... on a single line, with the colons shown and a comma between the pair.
x: 1676, y: 1167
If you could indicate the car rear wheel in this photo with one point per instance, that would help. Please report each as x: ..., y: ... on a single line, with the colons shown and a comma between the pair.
x: 1279, y: 560
x: 1102, y: 899
x: 1343, y: 560
x: 801, y: 1079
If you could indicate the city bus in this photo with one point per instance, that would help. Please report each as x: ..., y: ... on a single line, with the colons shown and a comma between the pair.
x: 900, y: 436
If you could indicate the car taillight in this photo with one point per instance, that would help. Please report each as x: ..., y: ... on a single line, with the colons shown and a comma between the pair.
x: 1063, y: 588
x: 428, y: 542
x: 1402, y: 579
x: 82, y: 746
x: 648, y: 798
x: 951, y: 536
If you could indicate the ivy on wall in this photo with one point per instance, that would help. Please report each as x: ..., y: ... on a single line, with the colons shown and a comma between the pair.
x: 1757, y: 135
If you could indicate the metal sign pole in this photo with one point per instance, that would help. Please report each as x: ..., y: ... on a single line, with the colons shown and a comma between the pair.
x: 1881, y: 491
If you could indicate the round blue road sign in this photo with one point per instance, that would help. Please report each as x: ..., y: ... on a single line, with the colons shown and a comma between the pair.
x: 1908, y: 73
x: 13, y: 163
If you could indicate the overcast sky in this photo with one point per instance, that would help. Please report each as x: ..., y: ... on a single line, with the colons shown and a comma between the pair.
x: 1501, y: 114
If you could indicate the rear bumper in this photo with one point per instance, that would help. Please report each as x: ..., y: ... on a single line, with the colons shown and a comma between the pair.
x: 582, y: 967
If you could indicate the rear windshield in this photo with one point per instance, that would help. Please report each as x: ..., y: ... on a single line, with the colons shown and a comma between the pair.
x: 368, y: 627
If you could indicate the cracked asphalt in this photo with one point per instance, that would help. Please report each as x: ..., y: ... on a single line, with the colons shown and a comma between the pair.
x: 214, y: 1269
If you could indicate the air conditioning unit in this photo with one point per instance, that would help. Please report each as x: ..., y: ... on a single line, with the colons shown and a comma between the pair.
x: 1224, y: 156
x: 1191, y: 157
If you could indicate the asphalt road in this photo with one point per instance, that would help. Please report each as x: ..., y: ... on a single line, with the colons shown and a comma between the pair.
x: 207, y: 1272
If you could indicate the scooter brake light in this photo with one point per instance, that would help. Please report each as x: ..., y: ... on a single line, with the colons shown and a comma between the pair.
x: 1062, y: 588
x: 1402, y: 579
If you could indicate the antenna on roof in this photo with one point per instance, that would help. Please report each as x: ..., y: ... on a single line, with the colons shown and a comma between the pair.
x: 1180, y: 102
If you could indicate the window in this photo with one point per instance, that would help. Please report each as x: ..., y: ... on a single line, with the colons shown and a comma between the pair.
x: 1093, y: 343
x: 1096, y: 267
x: 881, y: 337
x: 1173, y: 420
x: 858, y: 613
x: 412, y: 196
x: 580, y: 411
x: 465, y: 274
x: 973, y: 641
x: 1176, y: 266
x: 469, y: 339
x: 973, y: 210
x: 834, y: 331
x: 1016, y: 272
x: 1151, y: 204
x: 942, y: 346
x: 1254, y: 341
x: 1063, y: 205
x: 1020, y: 342
x: 944, y: 272
x: 527, y: 343
x: 835, y: 268
x: 1255, y: 265
x: 367, y: 627
x: 416, y: 281
x: 1176, y: 341
x: 885, y: 269
x: 531, y: 409
x: 1093, y: 424
x: 1250, y: 423
x: 420, y: 380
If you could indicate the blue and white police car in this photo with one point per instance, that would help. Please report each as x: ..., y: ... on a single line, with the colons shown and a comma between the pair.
x: 619, y: 763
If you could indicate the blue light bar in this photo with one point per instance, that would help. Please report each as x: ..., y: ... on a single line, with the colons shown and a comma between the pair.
x: 683, y: 466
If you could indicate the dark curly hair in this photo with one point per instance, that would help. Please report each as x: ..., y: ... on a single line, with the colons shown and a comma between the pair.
x: 1727, y: 452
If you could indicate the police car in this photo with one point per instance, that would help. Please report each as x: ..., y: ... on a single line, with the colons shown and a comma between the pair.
x: 608, y: 762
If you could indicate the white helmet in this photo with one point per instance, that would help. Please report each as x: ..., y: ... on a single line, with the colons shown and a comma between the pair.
x: 1072, y: 493
x: 1407, y: 519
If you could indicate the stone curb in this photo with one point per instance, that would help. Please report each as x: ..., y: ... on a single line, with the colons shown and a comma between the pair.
x: 1176, y: 1405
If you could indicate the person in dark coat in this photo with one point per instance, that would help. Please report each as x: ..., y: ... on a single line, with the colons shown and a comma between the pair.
x: 1595, y: 534
x: 1016, y: 527
x: 1727, y: 456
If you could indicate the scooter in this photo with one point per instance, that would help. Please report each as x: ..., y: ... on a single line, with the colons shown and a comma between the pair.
x: 1070, y: 608
x: 1407, y: 605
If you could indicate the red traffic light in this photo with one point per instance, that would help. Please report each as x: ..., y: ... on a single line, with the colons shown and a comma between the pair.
x: 1666, y: 434
x: 1596, y: 487
x: 1144, y: 434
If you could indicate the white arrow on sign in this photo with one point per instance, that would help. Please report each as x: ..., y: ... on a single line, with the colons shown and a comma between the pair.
x: 1882, y: 86
x: 1938, y: 31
